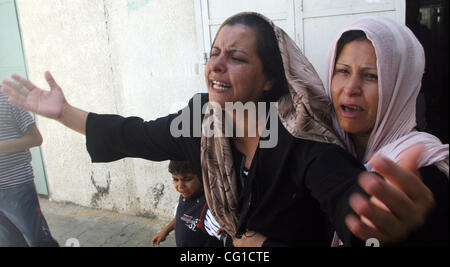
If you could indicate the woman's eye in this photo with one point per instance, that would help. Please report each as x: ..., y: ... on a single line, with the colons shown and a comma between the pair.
x: 371, y: 77
x: 237, y: 59
x: 342, y: 71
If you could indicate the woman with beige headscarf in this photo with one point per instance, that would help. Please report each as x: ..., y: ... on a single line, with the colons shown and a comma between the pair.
x: 375, y: 70
x: 287, y: 190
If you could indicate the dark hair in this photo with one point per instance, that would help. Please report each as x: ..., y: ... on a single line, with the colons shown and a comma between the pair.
x: 346, y: 38
x: 268, y: 52
x: 180, y: 167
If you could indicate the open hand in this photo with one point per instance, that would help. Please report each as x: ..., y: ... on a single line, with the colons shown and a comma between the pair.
x: 399, y: 204
x: 28, y: 96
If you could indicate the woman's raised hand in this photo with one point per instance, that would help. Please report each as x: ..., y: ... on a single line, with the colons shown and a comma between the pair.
x: 51, y: 104
x: 399, y: 204
x: 28, y: 96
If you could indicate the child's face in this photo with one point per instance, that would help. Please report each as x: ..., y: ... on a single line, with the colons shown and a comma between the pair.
x: 187, y: 184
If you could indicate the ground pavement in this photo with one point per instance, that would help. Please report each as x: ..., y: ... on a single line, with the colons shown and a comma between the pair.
x: 73, y: 225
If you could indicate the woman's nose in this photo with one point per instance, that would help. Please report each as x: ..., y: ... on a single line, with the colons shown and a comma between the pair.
x: 353, y: 86
x: 217, y: 64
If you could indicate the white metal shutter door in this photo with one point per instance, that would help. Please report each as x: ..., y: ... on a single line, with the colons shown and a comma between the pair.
x: 212, y: 13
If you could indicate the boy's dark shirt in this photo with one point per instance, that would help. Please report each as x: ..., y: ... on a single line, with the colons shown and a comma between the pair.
x: 189, y: 229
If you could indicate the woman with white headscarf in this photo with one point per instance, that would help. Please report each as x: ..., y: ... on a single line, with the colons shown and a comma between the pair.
x: 375, y: 69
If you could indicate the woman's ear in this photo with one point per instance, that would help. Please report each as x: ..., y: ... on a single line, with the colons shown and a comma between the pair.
x: 268, y: 85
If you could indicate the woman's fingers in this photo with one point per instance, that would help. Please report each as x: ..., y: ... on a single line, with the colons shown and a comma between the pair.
x: 26, y: 95
x: 362, y: 230
x: 399, y: 204
x: 14, y: 89
x: 404, y: 179
x: 383, y: 222
x: 388, y: 196
x: 26, y: 84
x: 410, y: 157
x: 50, y: 80
x: 17, y: 95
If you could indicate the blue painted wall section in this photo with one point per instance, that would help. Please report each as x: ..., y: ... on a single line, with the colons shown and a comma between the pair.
x: 134, y: 5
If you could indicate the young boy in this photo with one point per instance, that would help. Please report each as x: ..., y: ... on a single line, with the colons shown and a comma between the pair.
x: 21, y: 220
x: 191, y: 230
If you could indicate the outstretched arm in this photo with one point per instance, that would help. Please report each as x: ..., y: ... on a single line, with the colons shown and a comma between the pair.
x: 51, y: 104
x: 31, y: 139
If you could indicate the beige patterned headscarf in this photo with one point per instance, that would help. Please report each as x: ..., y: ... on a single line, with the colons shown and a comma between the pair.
x: 305, y: 113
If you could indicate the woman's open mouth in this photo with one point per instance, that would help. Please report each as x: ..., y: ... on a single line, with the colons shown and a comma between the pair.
x: 219, y: 86
x: 350, y: 111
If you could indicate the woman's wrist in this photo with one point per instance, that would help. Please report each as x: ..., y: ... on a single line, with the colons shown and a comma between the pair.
x: 74, y: 118
x: 64, y: 111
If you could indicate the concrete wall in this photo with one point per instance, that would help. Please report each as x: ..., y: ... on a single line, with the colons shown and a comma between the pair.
x: 129, y: 57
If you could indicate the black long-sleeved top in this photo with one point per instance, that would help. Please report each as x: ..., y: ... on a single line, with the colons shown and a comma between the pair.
x: 292, y: 193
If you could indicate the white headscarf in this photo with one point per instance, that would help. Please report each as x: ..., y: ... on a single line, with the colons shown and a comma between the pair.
x: 400, y: 65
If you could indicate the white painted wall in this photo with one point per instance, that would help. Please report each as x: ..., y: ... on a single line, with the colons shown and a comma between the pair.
x: 134, y: 57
